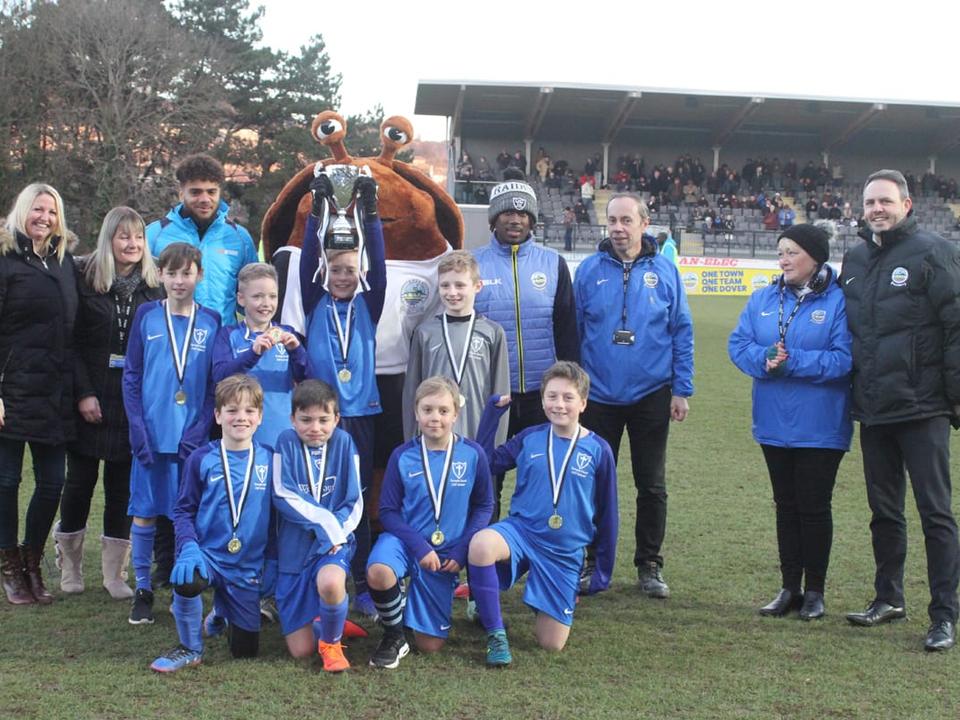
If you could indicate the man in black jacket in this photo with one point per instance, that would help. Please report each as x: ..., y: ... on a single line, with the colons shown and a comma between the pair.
x: 902, y: 287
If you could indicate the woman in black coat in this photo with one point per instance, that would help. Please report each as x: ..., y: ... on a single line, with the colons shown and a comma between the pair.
x: 38, y: 304
x: 114, y: 281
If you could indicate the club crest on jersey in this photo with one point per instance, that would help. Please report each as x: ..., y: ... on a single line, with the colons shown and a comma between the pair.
x: 414, y: 293
x: 476, y: 347
x: 459, y: 469
x: 899, y: 277
x: 281, y: 351
x: 261, y: 482
x: 538, y: 280
x: 650, y: 279
x: 317, y: 461
x: 583, y: 461
x: 817, y: 317
x: 199, y: 339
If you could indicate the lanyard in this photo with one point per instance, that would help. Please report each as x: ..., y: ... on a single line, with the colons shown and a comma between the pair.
x: 793, y: 313
x: 627, y: 268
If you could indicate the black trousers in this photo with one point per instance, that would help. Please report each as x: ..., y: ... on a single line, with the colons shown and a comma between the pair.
x: 526, y: 409
x: 922, y: 447
x: 82, y: 473
x: 647, y: 422
x: 803, y: 480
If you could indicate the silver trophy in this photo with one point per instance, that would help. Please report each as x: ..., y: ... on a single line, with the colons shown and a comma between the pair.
x: 341, y: 234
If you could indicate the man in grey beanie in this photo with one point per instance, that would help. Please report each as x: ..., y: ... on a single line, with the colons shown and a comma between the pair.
x: 527, y: 290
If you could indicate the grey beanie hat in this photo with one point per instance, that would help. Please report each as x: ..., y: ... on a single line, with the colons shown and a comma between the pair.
x: 513, y: 195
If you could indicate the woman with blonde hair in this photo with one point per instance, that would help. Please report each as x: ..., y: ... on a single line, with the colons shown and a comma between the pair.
x: 38, y: 305
x: 115, y: 280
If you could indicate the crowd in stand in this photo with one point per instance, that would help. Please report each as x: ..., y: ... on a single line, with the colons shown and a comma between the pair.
x: 695, y: 198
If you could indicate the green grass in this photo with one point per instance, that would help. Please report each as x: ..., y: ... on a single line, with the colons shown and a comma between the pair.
x: 704, y: 653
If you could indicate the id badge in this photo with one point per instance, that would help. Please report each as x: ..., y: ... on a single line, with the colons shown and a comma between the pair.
x: 623, y: 337
x: 116, y: 361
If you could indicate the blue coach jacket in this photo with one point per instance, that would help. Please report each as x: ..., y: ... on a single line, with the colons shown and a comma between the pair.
x: 808, y: 403
x: 656, y: 312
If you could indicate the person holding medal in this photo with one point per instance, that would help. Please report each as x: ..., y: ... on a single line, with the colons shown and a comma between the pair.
x: 221, y: 521
x: 256, y: 345
x: 461, y: 345
x: 565, y: 499
x: 168, y: 396
x: 343, y: 278
x: 792, y: 339
x: 316, y: 492
x: 114, y: 280
x: 436, y: 494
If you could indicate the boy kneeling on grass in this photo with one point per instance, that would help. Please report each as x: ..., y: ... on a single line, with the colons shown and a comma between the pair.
x: 565, y: 499
x: 221, y: 520
x: 316, y: 492
x: 436, y: 494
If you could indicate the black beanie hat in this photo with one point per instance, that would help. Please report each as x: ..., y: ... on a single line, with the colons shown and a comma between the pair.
x: 814, y: 240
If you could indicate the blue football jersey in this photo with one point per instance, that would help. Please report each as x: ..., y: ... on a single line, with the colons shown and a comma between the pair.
x: 203, y: 510
x: 406, y: 503
x: 150, y: 383
x: 277, y: 371
x: 314, y: 514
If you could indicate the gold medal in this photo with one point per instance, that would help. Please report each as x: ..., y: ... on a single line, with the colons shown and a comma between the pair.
x: 274, y: 334
x: 344, y: 375
x: 437, y: 537
x: 233, y: 547
x: 555, y: 522
x: 180, y: 397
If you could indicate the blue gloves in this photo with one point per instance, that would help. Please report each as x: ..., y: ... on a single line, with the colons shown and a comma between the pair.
x: 189, y: 561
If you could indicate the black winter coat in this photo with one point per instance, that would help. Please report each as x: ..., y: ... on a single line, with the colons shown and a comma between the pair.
x: 97, y: 337
x: 38, y: 305
x: 903, y: 308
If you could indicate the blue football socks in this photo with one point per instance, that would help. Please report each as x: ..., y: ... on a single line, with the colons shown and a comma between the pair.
x: 141, y: 550
x: 485, y: 588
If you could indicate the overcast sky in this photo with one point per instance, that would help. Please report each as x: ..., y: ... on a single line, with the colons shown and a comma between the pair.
x: 887, y: 51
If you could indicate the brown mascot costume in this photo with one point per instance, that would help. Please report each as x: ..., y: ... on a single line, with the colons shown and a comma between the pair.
x: 421, y: 223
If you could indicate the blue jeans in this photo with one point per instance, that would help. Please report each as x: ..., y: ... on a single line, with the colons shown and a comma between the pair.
x: 49, y: 468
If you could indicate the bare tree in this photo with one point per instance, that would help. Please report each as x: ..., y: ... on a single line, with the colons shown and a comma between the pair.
x: 103, y: 97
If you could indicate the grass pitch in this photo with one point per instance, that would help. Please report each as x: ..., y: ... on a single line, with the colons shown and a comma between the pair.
x: 704, y: 653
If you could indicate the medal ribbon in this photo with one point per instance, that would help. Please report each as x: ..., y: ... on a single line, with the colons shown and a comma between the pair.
x: 343, y: 334
x: 180, y: 354
x: 236, y: 507
x: 316, y: 486
x: 458, y: 368
x: 793, y: 313
x: 556, y: 482
x: 436, y: 494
